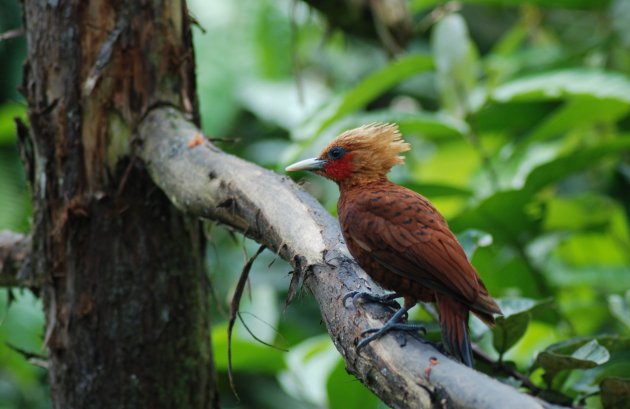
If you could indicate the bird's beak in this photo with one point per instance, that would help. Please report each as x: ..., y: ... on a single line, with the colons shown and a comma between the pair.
x: 307, y: 164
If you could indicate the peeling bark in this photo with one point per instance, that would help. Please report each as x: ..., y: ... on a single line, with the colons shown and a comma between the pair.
x: 402, y: 370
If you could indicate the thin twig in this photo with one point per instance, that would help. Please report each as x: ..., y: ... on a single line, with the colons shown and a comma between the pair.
x: 236, y: 300
x: 506, y: 369
x: 7, y: 35
x: 233, y: 141
x: 250, y: 332
x: 26, y: 354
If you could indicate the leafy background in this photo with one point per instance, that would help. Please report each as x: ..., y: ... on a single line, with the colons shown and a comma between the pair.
x: 519, y: 118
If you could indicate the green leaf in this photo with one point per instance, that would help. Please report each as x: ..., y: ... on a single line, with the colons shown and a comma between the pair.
x: 615, y: 393
x: 515, y: 117
x: 620, y: 15
x: 503, y: 215
x: 15, y: 207
x: 457, y: 64
x: 620, y: 307
x: 561, y: 167
x: 556, y: 359
x: 345, y: 391
x: 603, y: 277
x: 615, y: 344
x: 8, y: 112
x: 514, y: 306
x: 578, y: 113
x: 419, y: 5
x: 511, y: 41
x: 592, y: 352
x: 617, y: 366
x: 619, y: 363
x: 429, y: 125
x: 21, y: 324
x: 247, y: 356
x: 374, y: 85
x: 508, y: 331
x: 566, y: 83
x: 590, y: 211
x: 434, y: 190
x: 472, y: 239
x: 271, y: 27
x: 309, y: 366
x: 513, y: 324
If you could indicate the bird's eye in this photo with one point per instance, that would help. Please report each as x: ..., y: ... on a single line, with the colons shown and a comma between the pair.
x: 336, y: 152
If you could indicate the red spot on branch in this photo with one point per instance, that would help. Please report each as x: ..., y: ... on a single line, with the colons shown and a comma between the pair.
x: 195, y: 140
x: 432, y: 362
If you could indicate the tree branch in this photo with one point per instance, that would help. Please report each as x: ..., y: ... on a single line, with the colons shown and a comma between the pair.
x: 15, y: 263
x: 270, y: 208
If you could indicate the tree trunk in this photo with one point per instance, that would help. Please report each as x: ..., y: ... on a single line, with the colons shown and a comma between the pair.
x: 124, y: 285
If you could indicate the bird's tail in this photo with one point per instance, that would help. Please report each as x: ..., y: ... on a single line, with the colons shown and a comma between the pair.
x: 454, y: 324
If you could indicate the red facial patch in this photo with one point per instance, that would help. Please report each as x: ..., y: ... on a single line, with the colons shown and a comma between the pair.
x: 339, y: 169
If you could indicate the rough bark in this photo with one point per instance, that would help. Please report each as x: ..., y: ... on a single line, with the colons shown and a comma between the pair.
x: 122, y: 269
x: 271, y: 209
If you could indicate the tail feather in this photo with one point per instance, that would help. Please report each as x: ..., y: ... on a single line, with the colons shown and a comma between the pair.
x: 485, y: 307
x: 454, y: 324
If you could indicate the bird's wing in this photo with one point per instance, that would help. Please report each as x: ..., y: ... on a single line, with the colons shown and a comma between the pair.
x: 404, y: 233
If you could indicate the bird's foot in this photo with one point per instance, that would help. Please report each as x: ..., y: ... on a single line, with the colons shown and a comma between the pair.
x: 387, y: 299
x: 392, y: 324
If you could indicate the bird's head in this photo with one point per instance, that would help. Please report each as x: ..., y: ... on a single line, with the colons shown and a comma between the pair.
x: 359, y: 155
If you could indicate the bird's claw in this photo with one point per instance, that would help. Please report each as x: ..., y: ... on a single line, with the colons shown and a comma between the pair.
x: 379, y: 332
x: 350, y: 294
x: 387, y: 299
x: 392, y: 324
x: 399, y: 327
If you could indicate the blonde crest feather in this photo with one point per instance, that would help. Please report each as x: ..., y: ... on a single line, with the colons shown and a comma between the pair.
x: 376, y: 148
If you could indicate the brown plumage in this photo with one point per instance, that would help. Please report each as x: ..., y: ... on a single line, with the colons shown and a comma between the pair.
x: 398, y: 237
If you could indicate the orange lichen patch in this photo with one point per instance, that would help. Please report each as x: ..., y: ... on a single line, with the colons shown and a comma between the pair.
x: 195, y: 140
x: 432, y: 362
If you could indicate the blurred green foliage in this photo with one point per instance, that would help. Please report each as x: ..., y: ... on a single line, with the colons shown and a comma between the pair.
x: 22, y: 384
x: 519, y: 118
